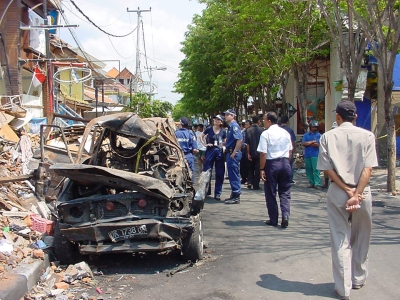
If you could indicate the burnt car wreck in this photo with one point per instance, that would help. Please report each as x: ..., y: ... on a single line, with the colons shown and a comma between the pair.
x: 132, y: 193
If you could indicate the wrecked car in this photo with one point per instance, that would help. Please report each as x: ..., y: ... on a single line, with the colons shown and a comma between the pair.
x: 133, y: 193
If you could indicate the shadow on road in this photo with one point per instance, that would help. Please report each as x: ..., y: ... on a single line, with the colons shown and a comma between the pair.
x: 273, y: 282
x: 149, y: 263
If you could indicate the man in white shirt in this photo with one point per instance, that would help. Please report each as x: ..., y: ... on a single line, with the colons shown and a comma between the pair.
x: 275, y: 149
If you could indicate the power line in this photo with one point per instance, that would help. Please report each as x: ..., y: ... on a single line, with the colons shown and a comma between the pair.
x: 73, y: 3
x: 117, y: 51
x: 77, y: 42
x: 144, y: 47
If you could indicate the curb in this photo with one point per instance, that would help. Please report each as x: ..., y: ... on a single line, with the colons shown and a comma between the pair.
x: 22, y: 279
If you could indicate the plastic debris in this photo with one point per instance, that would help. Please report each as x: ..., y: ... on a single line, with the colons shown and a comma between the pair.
x: 6, y: 247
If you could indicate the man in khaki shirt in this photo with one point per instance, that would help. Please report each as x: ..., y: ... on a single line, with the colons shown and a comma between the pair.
x: 347, y: 155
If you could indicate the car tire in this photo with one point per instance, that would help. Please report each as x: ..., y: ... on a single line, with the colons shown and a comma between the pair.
x: 65, y: 251
x: 193, y: 244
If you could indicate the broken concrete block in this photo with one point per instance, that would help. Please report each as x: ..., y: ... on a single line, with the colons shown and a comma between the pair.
x: 83, y: 270
x: 38, y: 253
x: 56, y: 292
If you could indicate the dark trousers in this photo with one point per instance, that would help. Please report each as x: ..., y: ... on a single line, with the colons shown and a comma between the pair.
x: 277, y: 173
x: 253, y: 177
x: 244, y: 170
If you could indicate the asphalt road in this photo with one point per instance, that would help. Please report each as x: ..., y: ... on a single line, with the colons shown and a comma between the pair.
x: 245, y: 259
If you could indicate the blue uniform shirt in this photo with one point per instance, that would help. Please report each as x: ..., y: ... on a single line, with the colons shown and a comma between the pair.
x: 212, y: 137
x: 186, y: 139
x: 234, y: 134
x: 311, y: 151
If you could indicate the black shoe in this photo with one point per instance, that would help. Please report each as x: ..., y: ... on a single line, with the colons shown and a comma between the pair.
x: 285, y: 222
x: 268, y: 222
x: 233, y: 199
x: 217, y: 198
x: 249, y: 186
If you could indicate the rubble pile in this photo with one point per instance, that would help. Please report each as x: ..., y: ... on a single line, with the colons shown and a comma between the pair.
x: 66, y: 282
x: 19, y: 244
x: 22, y: 216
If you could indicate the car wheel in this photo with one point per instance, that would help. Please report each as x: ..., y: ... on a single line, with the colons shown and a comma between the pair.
x: 65, y: 251
x: 193, y: 244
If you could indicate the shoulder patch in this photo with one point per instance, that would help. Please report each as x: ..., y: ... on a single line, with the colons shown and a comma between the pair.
x: 235, y: 128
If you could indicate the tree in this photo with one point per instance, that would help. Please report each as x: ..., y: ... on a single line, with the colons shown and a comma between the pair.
x: 161, y: 109
x: 145, y: 108
x: 379, y: 20
x: 348, y: 37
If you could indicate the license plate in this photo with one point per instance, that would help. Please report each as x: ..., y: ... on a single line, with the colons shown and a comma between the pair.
x: 127, y: 233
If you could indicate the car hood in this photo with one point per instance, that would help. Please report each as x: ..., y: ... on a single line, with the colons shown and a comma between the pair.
x: 95, y: 175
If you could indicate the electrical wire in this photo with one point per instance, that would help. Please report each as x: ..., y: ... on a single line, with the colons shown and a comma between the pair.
x: 110, y: 34
x: 152, y: 35
x: 71, y: 30
x: 118, y: 52
x: 145, y: 55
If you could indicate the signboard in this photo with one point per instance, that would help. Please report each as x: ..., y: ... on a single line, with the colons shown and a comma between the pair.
x: 53, y: 20
x: 37, y: 40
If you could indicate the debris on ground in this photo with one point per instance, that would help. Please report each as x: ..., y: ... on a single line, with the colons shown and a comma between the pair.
x: 25, y: 228
x: 65, y: 282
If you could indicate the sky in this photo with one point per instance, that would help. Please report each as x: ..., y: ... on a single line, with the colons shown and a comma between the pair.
x: 163, y: 30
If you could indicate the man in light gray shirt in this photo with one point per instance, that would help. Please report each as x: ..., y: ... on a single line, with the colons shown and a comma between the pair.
x: 347, y: 155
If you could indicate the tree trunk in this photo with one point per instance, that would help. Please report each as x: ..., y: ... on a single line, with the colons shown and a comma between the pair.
x: 284, y: 82
x: 381, y: 126
x: 391, y: 139
x: 391, y: 154
x: 301, y: 88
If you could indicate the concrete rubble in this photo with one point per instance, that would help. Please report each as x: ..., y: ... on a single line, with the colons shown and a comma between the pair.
x: 65, y: 282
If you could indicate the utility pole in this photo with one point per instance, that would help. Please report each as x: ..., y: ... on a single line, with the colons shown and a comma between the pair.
x: 137, y: 72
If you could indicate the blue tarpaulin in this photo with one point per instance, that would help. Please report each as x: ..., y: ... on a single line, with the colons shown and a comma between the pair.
x: 396, y: 74
x: 34, y: 124
x: 363, y: 113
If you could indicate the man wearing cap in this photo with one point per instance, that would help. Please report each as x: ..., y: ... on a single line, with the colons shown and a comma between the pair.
x: 187, y: 141
x: 347, y: 154
x: 233, y: 145
x: 275, y: 149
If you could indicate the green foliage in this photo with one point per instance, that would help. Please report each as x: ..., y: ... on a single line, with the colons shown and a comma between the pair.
x: 237, y: 47
x: 145, y: 108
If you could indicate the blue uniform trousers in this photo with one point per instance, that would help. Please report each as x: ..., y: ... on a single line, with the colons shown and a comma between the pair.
x: 233, y: 172
x: 190, y: 159
x: 214, y: 156
x: 277, y: 173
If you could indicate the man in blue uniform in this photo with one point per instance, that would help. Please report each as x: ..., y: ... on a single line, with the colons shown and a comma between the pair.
x: 233, y: 145
x: 187, y: 141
